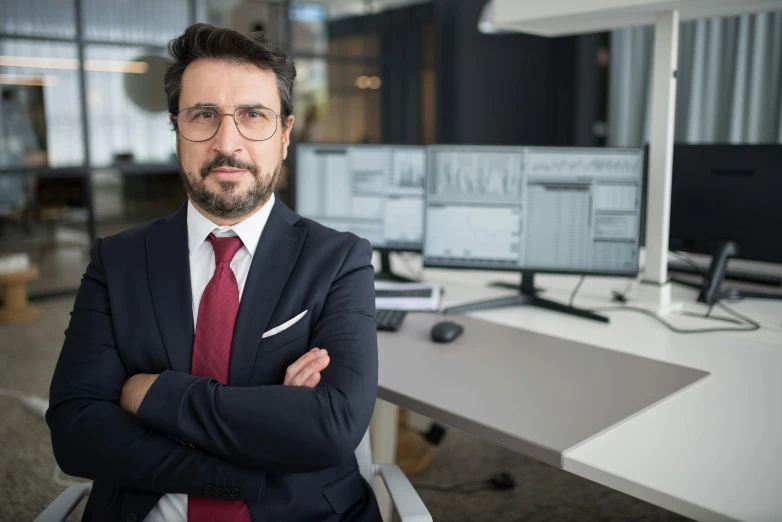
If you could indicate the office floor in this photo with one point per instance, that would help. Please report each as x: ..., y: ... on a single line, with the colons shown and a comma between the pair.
x: 28, y: 354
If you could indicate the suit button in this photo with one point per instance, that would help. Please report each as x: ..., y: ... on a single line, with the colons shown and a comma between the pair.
x: 132, y: 517
x: 208, y: 489
x: 233, y: 492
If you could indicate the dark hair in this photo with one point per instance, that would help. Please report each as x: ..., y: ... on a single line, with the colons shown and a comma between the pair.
x: 207, y: 41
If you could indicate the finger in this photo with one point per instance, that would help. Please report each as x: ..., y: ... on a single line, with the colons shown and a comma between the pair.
x: 313, y: 380
x: 315, y: 366
x: 295, y: 368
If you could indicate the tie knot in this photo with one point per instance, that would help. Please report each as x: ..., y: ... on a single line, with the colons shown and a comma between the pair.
x: 225, y: 248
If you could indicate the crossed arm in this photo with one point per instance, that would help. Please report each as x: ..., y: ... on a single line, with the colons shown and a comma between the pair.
x: 312, y: 421
x: 304, y: 372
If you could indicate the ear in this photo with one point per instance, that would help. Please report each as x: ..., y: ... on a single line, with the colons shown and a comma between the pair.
x: 286, y: 137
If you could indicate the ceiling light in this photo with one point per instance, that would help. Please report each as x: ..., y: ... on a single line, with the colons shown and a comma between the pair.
x: 29, y: 79
x: 73, y: 64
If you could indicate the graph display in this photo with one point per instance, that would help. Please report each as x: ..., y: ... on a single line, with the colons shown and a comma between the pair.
x: 571, y: 210
x: 488, y: 233
x: 408, y: 171
x: 374, y: 191
x: 561, y: 162
x: 488, y: 176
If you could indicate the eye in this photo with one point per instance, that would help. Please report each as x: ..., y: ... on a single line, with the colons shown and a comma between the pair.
x: 205, y: 115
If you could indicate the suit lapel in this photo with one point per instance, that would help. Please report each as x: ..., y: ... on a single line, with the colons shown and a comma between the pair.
x: 274, y: 259
x: 168, y: 264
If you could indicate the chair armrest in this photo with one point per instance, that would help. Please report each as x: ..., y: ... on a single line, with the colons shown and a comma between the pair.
x: 63, y: 505
x: 405, y: 498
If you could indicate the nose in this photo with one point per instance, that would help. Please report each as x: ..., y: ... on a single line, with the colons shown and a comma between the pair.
x: 228, y: 139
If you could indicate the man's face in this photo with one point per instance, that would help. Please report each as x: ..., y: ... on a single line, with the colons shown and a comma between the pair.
x: 229, y: 176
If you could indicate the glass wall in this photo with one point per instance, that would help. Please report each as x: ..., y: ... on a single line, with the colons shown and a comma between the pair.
x: 59, y: 185
x: 338, y: 85
x: 86, y: 147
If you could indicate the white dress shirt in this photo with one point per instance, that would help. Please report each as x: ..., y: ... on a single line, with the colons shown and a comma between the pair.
x: 173, y: 507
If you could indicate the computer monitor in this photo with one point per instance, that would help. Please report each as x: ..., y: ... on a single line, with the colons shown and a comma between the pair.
x: 725, y: 202
x: 533, y: 209
x: 374, y: 191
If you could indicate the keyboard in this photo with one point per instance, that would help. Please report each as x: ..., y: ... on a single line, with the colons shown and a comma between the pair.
x: 389, y: 320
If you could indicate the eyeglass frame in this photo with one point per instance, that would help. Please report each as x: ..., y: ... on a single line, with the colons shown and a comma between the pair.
x: 223, y: 115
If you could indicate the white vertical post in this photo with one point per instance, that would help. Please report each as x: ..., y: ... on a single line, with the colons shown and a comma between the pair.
x: 382, y: 433
x: 666, y: 47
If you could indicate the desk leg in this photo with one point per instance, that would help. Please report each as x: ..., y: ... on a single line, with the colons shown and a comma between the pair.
x: 382, y: 431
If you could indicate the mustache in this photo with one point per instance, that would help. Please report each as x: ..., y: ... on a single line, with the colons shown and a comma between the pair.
x: 221, y: 160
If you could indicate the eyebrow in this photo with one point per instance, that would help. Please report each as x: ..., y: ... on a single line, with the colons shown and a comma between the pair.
x: 256, y: 105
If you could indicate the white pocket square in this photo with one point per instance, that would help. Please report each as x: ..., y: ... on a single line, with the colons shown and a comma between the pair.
x: 284, y: 326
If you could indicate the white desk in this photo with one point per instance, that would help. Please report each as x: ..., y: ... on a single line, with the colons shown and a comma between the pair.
x: 712, y: 452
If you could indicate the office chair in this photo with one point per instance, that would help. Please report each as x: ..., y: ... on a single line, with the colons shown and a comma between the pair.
x: 405, y: 499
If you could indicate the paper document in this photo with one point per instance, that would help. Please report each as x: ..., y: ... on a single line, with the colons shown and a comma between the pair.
x: 424, y: 297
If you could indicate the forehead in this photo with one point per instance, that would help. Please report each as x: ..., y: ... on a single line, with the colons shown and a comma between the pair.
x: 225, y: 84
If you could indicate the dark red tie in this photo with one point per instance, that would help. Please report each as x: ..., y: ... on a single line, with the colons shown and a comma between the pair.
x: 211, y: 355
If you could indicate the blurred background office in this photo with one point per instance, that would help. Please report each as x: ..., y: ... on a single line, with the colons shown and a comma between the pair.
x: 86, y: 150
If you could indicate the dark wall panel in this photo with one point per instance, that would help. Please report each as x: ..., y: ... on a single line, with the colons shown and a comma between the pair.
x: 507, y: 89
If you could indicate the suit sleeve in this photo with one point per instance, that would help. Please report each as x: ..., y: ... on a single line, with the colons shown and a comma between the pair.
x: 287, y: 428
x: 94, y: 438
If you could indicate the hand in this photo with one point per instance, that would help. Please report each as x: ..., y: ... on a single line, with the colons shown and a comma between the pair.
x: 134, y: 390
x: 306, y: 370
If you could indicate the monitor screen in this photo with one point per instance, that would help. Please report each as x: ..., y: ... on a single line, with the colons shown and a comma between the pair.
x: 569, y: 210
x: 374, y: 191
x: 727, y: 192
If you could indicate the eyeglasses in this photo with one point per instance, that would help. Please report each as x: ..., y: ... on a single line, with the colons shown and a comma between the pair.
x: 201, y: 123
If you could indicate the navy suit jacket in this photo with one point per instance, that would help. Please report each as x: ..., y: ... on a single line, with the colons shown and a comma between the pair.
x: 287, y: 451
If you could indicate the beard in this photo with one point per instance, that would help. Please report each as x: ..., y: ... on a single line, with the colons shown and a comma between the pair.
x: 228, y: 202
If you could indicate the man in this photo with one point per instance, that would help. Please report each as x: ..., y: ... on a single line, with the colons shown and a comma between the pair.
x: 221, y: 363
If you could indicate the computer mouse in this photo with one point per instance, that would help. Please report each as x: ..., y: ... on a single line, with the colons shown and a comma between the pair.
x: 446, y: 332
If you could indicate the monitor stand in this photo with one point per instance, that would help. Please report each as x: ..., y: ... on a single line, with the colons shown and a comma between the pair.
x: 528, y: 296
x: 385, y: 273
x: 511, y: 286
x: 711, y: 289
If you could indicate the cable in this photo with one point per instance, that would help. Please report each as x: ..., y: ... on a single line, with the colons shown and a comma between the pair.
x: 30, y: 402
x: 456, y: 488
x: 748, y: 325
x: 690, y: 261
x: 738, y: 315
x: 709, y: 316
x: 12, y: 393
x: 37, y: 405
x: 499, y: 482
x: 617, y: 296
x: 575, y: 290
x: 622, y: 296
x: 752, y: 325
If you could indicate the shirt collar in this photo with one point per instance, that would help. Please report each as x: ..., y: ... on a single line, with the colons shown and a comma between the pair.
x: 249, y: 230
